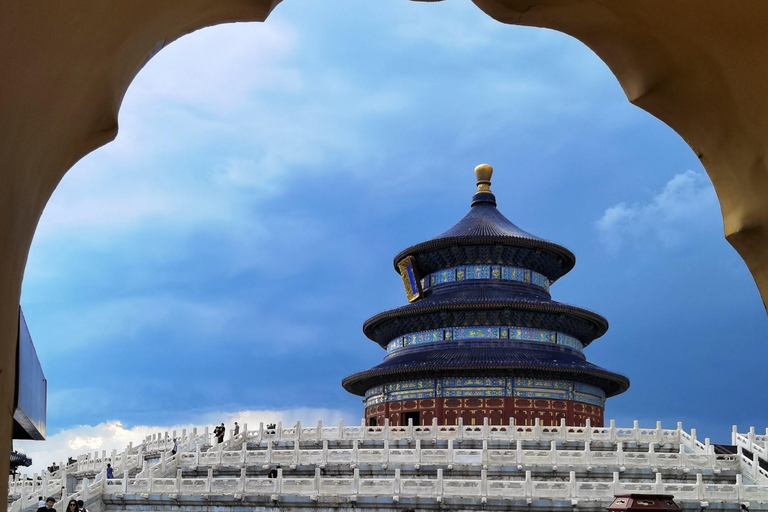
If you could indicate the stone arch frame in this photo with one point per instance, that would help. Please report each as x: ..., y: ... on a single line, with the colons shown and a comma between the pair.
x: 695, y: 66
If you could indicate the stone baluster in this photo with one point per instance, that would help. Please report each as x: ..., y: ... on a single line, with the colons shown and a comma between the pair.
x: 242, y: 479
x: 734, y: 434
x: 356, y: 480
x: 355, y: 448
x: 279, y: 481
x: 418, y: 451
x: 342, y: 433
x: 197, y: 455
x: 611, y: 431
x: 409, y: 431
x: 296, y: 453
x: 756, y: 467
x: 519, y: 452
x: 740, y: 486
x: 325, y: 453
x: 298, y: 431
x: 483, y: 485
x: 659, y: 434
x: 261, y: 432
x: 269, y: 452
x: 450, y: 451
x: 178, y: 480
x: 279, y: 430
x: 553, y: 452
x: 615, y: 483
x: 244, y: 449
x: 319, y: 433
x: 699, y: 486
x: 209, y: 480
x: 439, y: 485
x: 386, y: 451
x: 397, y: 482
x: 528, y: 485
x: 486, y: 430
x: 588, y: 454
x: 572, y: 491
x: 537, y: 428
x: 636, y: 431
x: 620, y: 452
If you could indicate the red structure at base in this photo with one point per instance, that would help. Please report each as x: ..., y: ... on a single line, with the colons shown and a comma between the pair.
x: 472, y: 411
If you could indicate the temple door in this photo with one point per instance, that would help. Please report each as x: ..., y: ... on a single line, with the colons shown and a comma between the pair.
x: 496, y: 416
x: 451, y: 416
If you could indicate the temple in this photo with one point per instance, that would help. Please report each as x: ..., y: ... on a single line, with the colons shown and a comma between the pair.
x: 481, y: 336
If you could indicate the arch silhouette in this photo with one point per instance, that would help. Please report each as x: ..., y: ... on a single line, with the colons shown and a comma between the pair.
x: 695, y: 66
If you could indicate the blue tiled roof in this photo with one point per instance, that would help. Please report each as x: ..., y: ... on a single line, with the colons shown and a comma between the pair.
x: 522, y: 308
x: 485, y: 225
x: 488, y: 358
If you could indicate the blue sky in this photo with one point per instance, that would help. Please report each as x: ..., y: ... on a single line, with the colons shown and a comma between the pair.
x: 219, y: 258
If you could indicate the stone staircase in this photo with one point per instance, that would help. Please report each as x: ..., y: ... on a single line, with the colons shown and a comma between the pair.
x: 430, y: 467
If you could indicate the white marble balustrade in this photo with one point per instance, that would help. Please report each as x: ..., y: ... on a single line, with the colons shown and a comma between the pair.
x: 520, y: 486
x: 487, y: 455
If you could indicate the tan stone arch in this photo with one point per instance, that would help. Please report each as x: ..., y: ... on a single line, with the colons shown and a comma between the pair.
x: 698, y: 65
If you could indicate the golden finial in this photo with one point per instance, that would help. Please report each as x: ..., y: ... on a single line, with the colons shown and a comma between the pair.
x: 483, y: 173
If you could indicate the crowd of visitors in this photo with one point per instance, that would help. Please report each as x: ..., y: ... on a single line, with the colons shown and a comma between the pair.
x: 218, y: 433
x: 72, y: 506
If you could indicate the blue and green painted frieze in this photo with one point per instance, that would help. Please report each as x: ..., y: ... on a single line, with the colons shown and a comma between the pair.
x: 465, y: 387
x: 484, y: 333
x: 487, y: 273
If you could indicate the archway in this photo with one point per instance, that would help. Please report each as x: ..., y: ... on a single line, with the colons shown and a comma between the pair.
x: 666, y: 58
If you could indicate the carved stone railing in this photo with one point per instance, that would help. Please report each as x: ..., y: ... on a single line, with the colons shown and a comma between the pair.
x: 522, y: 487
x: 556, y: 456
x: 536, y: 432
x: 446, y: 445
x: 132, y: 458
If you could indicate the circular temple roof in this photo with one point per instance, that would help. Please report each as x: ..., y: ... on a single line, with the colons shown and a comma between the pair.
x: 484, y: 225
x: 484, y: 304
x: 488, y: 358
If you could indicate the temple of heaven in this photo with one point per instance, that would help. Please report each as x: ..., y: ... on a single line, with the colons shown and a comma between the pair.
x: 481, y: 336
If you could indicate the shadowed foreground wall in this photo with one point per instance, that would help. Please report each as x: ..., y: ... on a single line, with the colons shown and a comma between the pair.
x: 695, y: 64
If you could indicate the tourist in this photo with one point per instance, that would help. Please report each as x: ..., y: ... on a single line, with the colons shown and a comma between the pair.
x: 48, y: 505
x: 222, y: 430
x: 109, y: 473
x: 175, y: 447
x: 237, y: 430
x: 72, y: 506
x: 40, y: 502
x: 81, y: 506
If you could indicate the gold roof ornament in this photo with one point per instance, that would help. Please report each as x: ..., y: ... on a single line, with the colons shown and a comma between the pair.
x: 483, y: 173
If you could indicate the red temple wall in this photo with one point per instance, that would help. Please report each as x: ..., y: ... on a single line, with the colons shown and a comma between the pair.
x: 497, y: 410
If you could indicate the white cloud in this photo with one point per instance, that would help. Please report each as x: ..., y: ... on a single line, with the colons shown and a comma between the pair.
x: 115, y: 435
x: 686, y: 204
